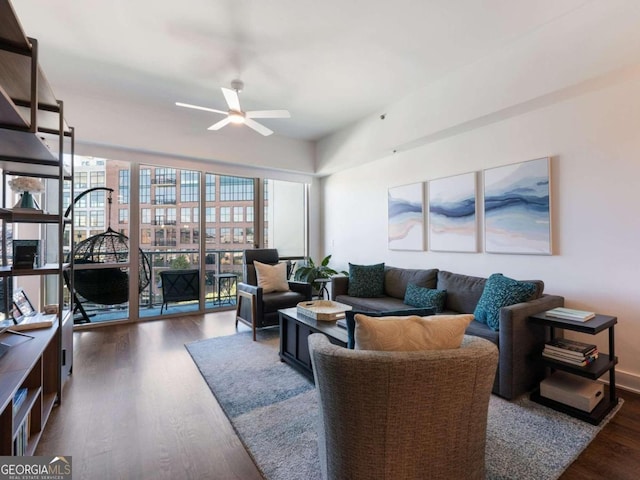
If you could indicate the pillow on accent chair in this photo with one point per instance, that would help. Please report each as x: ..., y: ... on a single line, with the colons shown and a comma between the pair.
x: 366, y: 280
x: 351, y: 323
x: 412, y: 333
x: 272, y: 278
x: 425, y: 297
x: 501, y: 291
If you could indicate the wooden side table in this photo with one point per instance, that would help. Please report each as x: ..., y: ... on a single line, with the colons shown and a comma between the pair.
x: 604, y: 363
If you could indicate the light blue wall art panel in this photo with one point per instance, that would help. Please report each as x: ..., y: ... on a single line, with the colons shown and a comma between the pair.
x: 517, y: 208
x: 406, y: 217
x: 452, y: 214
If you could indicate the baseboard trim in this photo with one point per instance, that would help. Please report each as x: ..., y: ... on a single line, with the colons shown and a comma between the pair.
x: 624, y: 381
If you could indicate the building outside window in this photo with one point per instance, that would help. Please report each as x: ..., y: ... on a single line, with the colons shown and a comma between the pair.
x: 238, y: 216
x: 225, y: 235
x: 225, y: 214
x: 185, y: 235
x: 234, y: 189
x: 145, y: 216
x: 96, y: 218
x: 238, y: 235
x: 185, y: 215
x: 145, y: 185
x: 123, y: 187
x: 97, y: 179
x: 123, y: 215
x: 211, y: 235
x: 210, y: 187
x: 210, y: 214
x: 189, y: 186
x: 96, y: 199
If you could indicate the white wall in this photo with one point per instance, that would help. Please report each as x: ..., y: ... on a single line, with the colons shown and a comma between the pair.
x: 593, y: 138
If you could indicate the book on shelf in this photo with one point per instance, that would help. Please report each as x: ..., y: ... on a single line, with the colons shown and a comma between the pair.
x: 19, y: 398
x: 570, y: 314
x: 570, y: 353
x: 583, y: 362
x: 570, y: 346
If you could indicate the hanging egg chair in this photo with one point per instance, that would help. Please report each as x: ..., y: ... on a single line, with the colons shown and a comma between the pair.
x: 106, y: 286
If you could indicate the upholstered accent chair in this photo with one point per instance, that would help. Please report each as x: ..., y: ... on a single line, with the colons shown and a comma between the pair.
x: 403, y: 415
x: 256, y: 308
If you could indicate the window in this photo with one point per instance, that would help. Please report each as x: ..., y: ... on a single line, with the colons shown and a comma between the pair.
x: 185, y: 215
x: 145, y: 216
x: 165, y: 176
x: 225, y: 235
x: 249, y: 233
x: 145, y: 185
x: 225, y: 214
x: 82, y: 203
x: 81, y: 180
x: 80, y: 219
x: 210, y: 186
x: 123, y: 215
x: 238, y: 235
x: 97, y: 179
x: 96, y: 199
x: 249, y: 211
x: 210, y: 213
x: 233, y: 189
x: 96, y: 218
x: 196, y: 235
x: 172, y: 236
x: 189, y: 186
x: 185, y: 235
x: 238, y: 216
x: 211, y: 235
x: 165, y: 195
x: 196, y: 214
x: 145, y: 236
x: 159, y: 217
x: 171, y: 216
x: 123, y: 187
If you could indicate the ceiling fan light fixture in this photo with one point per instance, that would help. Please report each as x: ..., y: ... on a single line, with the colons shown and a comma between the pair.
x: 236, y: 117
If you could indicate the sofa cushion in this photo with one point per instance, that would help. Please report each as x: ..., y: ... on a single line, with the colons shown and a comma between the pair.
x: 351, y: 324
x: 463, y: 291
x: 482, y: 330
x: 366, y: 280
x: 425, y: 297
x: 397, y: 279
x: 410, y: 333
x: 271, y: 278
x: 500, y: 291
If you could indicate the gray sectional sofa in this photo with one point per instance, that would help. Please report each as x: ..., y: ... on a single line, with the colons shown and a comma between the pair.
x: 519, y: 341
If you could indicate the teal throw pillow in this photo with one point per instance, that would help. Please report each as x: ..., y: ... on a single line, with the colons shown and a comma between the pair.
x: 500, y: 291
x: 425, y: 297
x: 366, y: 280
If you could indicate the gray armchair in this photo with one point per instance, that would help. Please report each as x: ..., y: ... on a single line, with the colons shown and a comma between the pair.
x: 403, y: 415
x: 256, y: 308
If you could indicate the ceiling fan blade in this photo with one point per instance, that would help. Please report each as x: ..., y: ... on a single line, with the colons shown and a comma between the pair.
x: 196, y: 107
x: 258, y: 127
x: 220, y: 124
x: 268, y: 114
x: 231, y: 96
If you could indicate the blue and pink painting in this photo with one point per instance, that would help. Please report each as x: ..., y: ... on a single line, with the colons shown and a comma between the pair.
x: 517, y: 208
x: 406, y: 217
x: 452, y: 214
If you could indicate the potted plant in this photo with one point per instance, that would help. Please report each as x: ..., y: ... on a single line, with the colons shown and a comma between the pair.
x: 309, y: 272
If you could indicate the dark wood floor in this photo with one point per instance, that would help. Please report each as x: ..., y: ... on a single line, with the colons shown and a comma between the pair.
x: 136, y: 407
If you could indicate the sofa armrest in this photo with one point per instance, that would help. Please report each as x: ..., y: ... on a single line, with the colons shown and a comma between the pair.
x: 521, y: 343
x: 339, y: 286
x: 302, y: 287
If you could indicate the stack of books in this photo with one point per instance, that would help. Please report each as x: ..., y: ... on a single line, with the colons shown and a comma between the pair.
x: 571, y: 352
x: 570, y: 314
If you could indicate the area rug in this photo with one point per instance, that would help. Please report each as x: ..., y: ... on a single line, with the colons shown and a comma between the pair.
x: 274, y: 411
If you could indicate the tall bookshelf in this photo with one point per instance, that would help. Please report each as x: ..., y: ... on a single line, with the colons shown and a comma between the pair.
x: 34, y: 139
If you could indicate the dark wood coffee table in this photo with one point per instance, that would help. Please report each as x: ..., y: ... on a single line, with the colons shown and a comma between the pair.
x: 294, y: 330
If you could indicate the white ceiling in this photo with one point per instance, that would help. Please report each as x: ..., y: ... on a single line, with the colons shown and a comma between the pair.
x: 329, y: 63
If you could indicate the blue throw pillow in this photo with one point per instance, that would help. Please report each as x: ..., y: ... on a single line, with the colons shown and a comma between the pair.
x: 366, y: 280
x: 500, y: 291
x: 351, y: 323
x: 425, y: 297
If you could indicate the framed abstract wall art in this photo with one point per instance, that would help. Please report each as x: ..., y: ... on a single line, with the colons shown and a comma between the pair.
x: 406, y: 217
x: 517, y: 208
x: 453, y: 223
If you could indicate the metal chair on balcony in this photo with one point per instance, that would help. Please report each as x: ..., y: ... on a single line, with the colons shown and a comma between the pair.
x: 179, y: 286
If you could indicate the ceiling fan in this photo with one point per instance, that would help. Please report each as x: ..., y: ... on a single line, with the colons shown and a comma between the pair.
x: 236, y: 115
